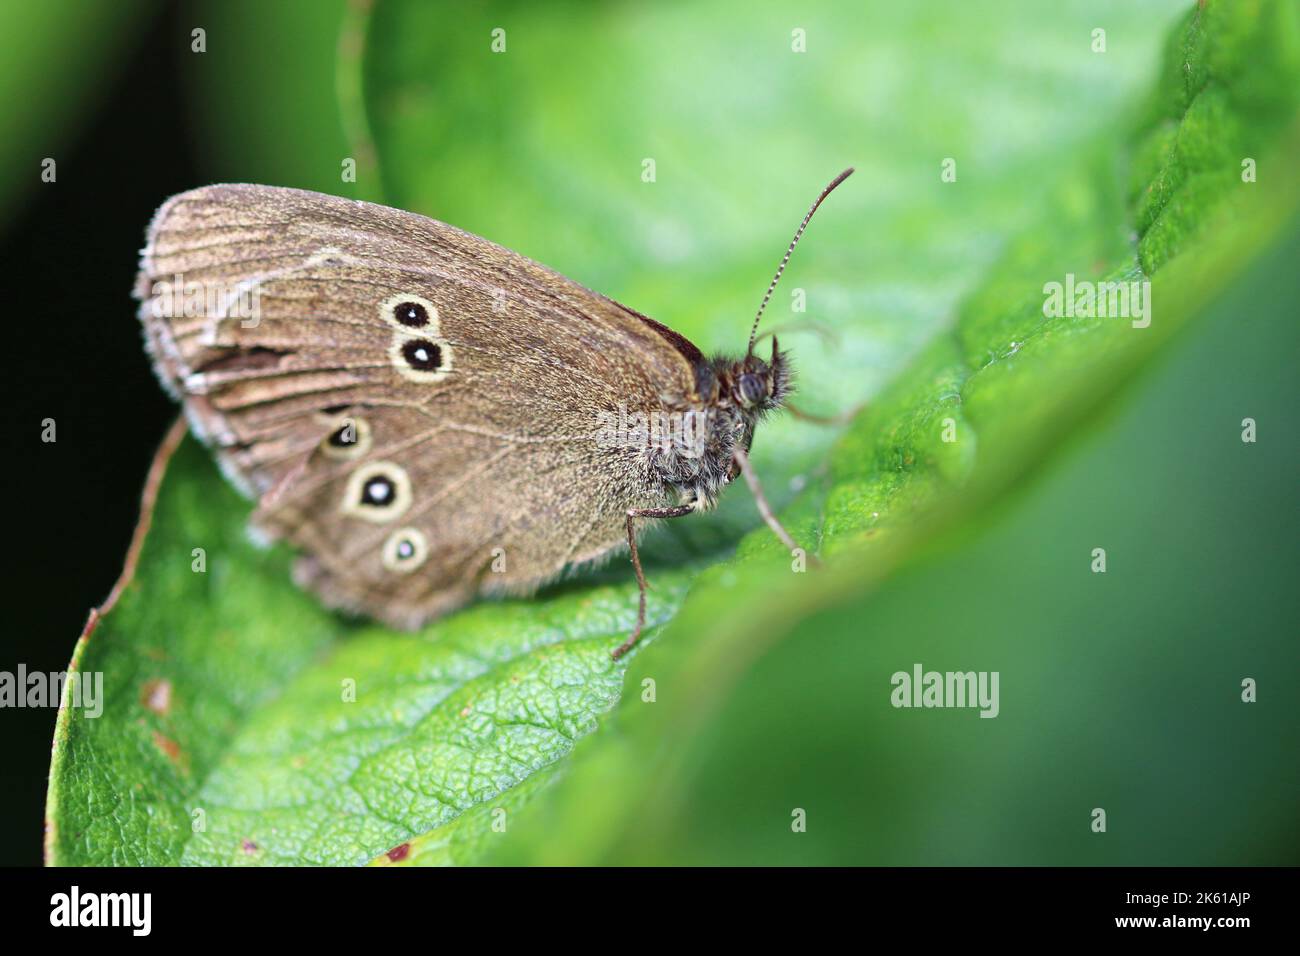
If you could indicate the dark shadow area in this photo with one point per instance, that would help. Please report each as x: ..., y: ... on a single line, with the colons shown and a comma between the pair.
x: 70, y: 255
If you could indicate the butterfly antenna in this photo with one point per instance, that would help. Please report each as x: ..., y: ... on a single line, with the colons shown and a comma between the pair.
x: 753, y: 334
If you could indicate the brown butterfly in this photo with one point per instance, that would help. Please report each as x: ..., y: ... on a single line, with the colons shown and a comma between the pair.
x: 426, y: 415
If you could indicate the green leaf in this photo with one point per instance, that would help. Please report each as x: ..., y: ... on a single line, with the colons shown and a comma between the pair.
x: 774, y: 692
x: 243, y: 724
x: 929, y: 295
x: 1118, y: 691
x: 472, y: 835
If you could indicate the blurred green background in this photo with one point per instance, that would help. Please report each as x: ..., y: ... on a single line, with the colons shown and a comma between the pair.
x: 1118, y: 690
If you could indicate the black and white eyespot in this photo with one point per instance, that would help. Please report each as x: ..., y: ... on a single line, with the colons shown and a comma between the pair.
x: 422, y: 355
x: 410, y: 313
x: 379, y: 491
x: 421, y: 358
x: 405, y: 550
x: 348, y: 440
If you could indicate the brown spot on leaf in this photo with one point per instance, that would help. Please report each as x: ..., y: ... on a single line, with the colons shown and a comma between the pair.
x: 156, y: 695
x: 172, y: 750
x: 399, y: 852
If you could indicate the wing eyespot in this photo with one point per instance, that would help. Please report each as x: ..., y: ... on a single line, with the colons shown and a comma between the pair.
x: 405, y: 550
x: 422, y: 355
x: 421, y: 358
x: 410, y: 313
x: 350, y: 440
x: 378, y: 492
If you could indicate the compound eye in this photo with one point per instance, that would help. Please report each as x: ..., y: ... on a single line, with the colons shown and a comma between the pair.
x: 751, y: 389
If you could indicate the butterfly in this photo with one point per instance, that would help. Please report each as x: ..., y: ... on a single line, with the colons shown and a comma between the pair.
x: 426, y: 416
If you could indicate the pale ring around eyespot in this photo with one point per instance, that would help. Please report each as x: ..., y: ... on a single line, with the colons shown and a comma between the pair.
x: 348, y: 450
x: 410, y: 348
x: 421, y: 319
x: 405, y: 550
x: 393, y: 482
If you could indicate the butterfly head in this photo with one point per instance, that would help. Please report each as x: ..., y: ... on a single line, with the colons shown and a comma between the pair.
x: 755, y: 385
x: 737, y: 393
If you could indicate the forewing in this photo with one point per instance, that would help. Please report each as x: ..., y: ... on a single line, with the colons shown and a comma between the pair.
x: 365, y: 372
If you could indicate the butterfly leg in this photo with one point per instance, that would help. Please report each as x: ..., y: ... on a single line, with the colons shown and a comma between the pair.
x: 760, y: 499
x: 632, y: 514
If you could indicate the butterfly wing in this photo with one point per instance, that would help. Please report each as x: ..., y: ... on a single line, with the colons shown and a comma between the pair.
x: 414, y: 407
